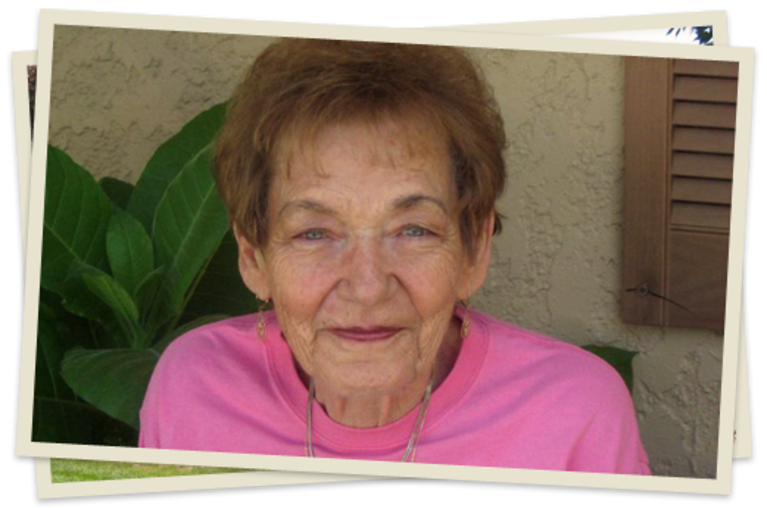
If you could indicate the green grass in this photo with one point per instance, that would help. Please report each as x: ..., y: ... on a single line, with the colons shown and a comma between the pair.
x: 70, y: 470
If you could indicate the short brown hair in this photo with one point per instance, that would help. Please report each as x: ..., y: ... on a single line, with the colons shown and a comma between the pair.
x: 298, y: 86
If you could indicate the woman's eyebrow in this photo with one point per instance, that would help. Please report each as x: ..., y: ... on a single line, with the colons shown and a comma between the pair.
x: 304, y: 205
x: 415, y: 199
x: 403, y: 203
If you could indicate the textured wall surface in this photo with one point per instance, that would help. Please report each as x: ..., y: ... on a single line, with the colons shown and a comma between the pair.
x: 117, y: 94
x: 557, y: 266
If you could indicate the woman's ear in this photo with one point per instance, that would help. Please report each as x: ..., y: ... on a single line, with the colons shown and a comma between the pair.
x: 252, y: 267
x: 477, y: 268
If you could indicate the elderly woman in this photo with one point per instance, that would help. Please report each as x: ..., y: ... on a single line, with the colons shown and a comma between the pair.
x: 361, y: 181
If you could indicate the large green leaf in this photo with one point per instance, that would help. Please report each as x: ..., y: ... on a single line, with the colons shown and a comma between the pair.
x: 169, y: 159
x: 92, y: 294
x: 59, y: 416
x: 75, y: 327
x: 145, y: 296
x: 65, y: 421
x: 115, y: 380
x: 53, y: 339
x: 121, y: 304
x: 189, y: 225
x: 129, y: 250
x: 220, y: 289
x: 77, y: 213
x: 119, y: 192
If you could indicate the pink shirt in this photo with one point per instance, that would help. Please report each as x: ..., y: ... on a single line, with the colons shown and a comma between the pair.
x: 514, y: 399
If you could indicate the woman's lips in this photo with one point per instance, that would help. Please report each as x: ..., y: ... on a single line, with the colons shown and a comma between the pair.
x: 365, y: 334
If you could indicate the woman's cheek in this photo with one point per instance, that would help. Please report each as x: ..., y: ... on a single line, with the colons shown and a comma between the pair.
x: 303, y: 285
x: 428, y: 265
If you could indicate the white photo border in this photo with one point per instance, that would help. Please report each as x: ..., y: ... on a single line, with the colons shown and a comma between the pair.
x: 720, y: 485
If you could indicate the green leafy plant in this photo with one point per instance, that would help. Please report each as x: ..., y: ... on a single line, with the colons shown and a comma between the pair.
x: 126, y: 270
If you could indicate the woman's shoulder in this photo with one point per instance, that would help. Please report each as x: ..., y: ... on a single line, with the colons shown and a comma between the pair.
x: 202, y: 382
x: 520, y: 353
x: 567, y: 407
x: 212, y: 343
x: 212, y: 358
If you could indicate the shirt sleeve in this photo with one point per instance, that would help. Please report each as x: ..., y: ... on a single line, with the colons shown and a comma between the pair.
x: 149, y: 427
x: 609, y: 441
x: 167, y: 390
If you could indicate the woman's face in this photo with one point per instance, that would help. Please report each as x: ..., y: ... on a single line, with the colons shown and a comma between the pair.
x: 364, y: 261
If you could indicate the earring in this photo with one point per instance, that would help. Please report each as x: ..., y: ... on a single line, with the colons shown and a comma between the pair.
x: 261, y: 322
x: 466, y: 323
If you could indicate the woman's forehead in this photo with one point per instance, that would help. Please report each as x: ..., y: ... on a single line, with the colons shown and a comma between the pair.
x: 350, y: 163
x: 387, y: 142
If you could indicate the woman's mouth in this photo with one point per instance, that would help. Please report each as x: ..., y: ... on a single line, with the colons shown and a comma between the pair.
x: 373, y: 334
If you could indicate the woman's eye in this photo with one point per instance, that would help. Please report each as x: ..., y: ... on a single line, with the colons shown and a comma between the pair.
x: 314, y: 234
x: 414, y: 231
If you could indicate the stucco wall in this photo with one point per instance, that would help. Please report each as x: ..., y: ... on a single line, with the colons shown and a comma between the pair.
x: 117, y: 94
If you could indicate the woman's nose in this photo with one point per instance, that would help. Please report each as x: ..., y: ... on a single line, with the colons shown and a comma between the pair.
x: 368, y: 272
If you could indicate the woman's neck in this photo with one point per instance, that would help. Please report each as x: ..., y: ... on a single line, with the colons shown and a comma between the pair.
x: 366, y: 412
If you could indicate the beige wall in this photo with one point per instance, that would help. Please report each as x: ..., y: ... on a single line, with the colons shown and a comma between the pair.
x: 118, y: 94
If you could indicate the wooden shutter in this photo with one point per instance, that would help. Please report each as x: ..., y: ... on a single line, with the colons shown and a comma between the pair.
x: 679, y: 143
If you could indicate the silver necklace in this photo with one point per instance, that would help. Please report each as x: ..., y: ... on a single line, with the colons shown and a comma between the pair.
x: 410, y: 450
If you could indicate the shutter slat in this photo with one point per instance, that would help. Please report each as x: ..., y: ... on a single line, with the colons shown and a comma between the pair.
x: 699, y: 190
x: 701, y: 114
x: 702, y: 165
x: 693, y: 88
x: 704, y: 140
x: 698, y: 215
x: 706, y: 68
